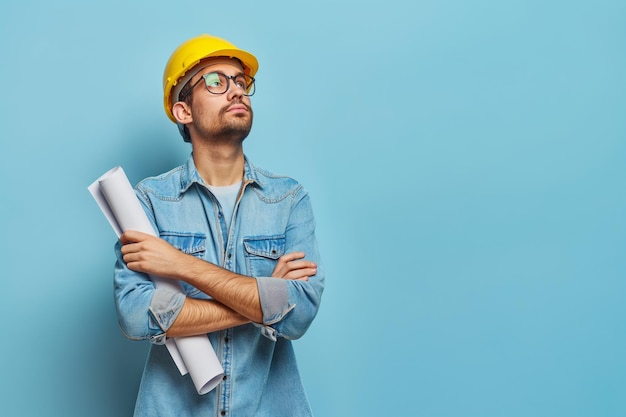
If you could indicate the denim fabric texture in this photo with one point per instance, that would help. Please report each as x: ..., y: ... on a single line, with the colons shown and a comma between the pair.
x: 272, y: 216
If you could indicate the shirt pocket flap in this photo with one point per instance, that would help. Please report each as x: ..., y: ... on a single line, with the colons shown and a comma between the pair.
x: 272, y: 247
x: 189, y: 243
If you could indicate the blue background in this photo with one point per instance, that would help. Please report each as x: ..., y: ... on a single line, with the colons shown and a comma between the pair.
x: 466, y: 161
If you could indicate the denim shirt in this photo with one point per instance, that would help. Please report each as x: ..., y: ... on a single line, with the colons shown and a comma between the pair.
x: 272, y: 217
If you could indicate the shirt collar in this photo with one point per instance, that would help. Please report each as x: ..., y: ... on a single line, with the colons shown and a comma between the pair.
x: 190, y: 175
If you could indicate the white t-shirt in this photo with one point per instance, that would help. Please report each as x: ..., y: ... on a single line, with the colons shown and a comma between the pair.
x: 227, y: 196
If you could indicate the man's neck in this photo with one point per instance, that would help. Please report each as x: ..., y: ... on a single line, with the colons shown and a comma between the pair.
x: 219, y: 164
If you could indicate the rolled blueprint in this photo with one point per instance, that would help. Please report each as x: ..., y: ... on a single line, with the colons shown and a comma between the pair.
x: 192, y: 354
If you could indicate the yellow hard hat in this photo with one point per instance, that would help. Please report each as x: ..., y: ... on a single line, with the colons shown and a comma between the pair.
x: 187, y: 56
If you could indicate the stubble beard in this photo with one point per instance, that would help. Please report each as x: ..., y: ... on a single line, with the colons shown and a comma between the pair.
x: 233, y: 129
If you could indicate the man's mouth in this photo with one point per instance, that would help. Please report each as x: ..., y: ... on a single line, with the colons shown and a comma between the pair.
x: 237, y: 108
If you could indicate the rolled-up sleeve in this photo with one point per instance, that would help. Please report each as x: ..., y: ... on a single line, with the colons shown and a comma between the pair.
x: 290, y: 306
x: 165, y: 306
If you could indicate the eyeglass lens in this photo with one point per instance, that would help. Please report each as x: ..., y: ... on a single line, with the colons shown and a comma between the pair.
x: 218, y: 83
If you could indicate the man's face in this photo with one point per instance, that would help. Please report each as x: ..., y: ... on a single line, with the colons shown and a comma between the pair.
x: 220, y: 117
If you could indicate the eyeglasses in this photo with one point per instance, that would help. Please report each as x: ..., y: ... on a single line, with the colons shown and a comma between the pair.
x: 219, y: 83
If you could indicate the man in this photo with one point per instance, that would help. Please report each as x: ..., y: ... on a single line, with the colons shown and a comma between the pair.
x: 240, y: 240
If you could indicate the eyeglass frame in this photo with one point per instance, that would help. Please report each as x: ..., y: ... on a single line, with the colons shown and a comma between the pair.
x: 181, y: 96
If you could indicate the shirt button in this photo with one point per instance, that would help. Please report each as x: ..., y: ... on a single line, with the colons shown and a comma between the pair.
x: 223, y: 413
x: 225, y: 378
x: 226, y: 339
x: 230, y: 255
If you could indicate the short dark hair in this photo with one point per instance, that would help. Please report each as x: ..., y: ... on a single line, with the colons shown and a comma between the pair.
x: 184, y: 132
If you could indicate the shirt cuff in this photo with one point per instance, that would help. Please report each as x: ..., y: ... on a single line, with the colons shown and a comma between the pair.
x: 274, y: 297
x: 165, y: 307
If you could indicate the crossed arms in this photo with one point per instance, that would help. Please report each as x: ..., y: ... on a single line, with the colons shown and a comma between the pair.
x: 235, y: 297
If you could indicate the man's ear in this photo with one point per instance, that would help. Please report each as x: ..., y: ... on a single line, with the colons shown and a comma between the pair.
x: 182, y: 112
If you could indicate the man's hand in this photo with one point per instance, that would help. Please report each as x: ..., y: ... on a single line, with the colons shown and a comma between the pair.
x: 290, y: 266
x: 150, y: 254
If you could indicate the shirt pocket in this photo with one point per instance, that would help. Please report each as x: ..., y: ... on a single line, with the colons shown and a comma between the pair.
x: 262, y: 253
x: 187, y: 242
x: 192, y: 244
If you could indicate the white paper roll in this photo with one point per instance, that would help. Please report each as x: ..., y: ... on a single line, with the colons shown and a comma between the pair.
x: 117, y: 200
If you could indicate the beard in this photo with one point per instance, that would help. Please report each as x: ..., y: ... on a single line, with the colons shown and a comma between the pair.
x: 227, y: 128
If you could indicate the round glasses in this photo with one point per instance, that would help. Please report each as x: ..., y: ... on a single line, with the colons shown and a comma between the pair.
x: 219, y: 83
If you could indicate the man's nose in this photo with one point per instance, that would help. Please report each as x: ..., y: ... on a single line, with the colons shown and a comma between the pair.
x: 235, y: 91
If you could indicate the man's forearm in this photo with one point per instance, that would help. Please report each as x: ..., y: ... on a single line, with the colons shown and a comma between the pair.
x: 200, y: 316
x: 237, y: 292
x: 154, y: 256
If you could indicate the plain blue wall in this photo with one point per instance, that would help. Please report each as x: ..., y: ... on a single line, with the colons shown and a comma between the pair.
x: 466, y: 161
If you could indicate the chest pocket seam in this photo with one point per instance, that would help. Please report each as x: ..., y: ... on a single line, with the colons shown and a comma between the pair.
x: 189, y: 243
x: 270, y: 247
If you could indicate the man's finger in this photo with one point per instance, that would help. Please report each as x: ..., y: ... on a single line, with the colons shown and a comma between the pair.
x: 288, y: 257
x: 132, y: 236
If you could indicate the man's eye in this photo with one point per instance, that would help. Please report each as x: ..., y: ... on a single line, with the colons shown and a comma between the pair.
x: 241, y: 82
x: 212, y: 80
